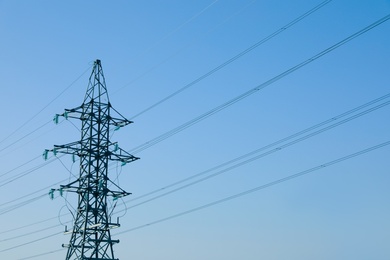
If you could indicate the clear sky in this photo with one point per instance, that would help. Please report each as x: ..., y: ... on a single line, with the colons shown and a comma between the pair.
x: 149, y: 50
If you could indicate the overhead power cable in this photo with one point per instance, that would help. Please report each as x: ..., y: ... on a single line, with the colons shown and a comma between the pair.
x: 28, y: 225
x: 175, y: 30
x: 20, y: 166
x: 42, y: 254
x: 30, y: 242
x: 238, y: 159
x: 184, y: 126
x: 193, y: 42
x: 35, y: 231
x: 258, y: 188
x: 27, y: 234
x: 246, y: 192
x: 276, y: 182
x: 46, y: 106
x: 21, y: 204
x: 25, y: 173
x: 35, y: 138
x: 242, y: 163
x: 28, y: 195
x: 279, y: 142
x: 23, y: 137
x: 254, y: 46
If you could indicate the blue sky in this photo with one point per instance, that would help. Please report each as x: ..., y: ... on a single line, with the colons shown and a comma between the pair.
x: 150, y: 49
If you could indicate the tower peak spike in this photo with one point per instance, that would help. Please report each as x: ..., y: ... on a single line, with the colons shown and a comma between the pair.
x: 97, y: 90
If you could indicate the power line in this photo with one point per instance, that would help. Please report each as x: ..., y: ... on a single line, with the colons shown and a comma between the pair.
x: 208, y: 205
x: 21, y: 204
x: 246, y: 192
x: 28, y: 134
x: 168, y: 134
x: 254, y: 46
x: 279, y: 142
x: 12, y: 207
x: 31, y: 140
x: 317, y: 56
x: 186, y: 46
x: 203, y: 116
x: 23, y: 137
x: 258, y: 188
x: 27, y: 234
x: 46, y: 106
x: 28, y: 225
x: 32, y: 193
x: 22, y: 174
x: 14, y: 169
x: 174, y: 31
x: 333, y: 119
x: 42, y: 254
x: 239, y: 164
x: 32, y: 232
x: 30, y: 242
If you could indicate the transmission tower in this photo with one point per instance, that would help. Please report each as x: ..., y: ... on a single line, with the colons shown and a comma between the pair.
x: 90, y: 236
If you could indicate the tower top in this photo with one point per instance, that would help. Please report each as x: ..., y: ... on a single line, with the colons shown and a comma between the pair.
x: 97, y: 90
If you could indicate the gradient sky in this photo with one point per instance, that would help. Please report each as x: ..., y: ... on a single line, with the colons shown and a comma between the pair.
x: 150, y: 49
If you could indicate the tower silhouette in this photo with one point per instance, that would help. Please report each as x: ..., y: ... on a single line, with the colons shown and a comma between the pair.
x: 91, y: 235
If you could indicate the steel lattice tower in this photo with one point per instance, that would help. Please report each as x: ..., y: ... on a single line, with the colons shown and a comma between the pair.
x: 90, y: 236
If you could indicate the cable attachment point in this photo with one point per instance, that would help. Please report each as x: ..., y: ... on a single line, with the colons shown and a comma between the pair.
x: 51, y: 194
x: 45, y: 154
x: 55, y: 119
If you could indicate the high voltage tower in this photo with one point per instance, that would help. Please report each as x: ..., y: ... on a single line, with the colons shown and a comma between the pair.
x: 90, y: 235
